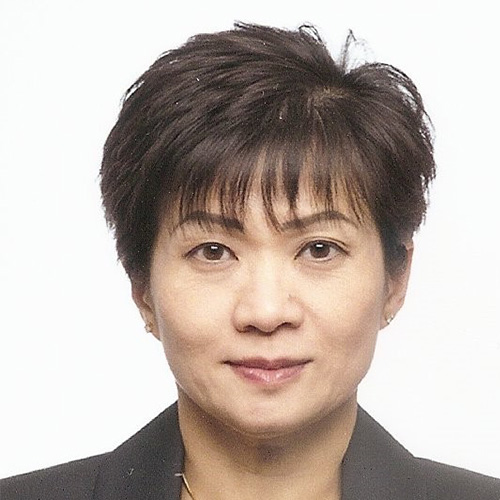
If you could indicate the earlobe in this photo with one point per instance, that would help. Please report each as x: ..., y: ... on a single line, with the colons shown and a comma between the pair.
x: 397, y: 287
x: 142, y: 298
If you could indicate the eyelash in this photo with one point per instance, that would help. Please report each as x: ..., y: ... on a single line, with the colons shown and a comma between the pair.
x: 219, y: 248
x: 330, y: 245
x: 200, y: 248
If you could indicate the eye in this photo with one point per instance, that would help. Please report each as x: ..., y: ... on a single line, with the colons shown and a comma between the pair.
x: 211, y: 252
x: 320, y: 251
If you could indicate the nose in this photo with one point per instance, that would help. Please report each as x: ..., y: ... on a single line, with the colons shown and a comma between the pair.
x: 266, y: 302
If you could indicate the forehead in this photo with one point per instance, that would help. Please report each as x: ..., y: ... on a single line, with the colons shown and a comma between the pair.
x: 280, y: 214
x: 306, y: 207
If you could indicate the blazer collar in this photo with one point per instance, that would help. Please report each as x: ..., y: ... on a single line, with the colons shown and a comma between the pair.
x: 145, y: 466
x: 375, y: 467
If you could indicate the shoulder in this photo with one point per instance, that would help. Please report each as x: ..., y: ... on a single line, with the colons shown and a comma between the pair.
x: 445, y: 482
x: 376, y: 466
x: 144, y: 466
x: 73, y: 480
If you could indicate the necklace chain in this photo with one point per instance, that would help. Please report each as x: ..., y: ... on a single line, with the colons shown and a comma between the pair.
x: 186, y: 485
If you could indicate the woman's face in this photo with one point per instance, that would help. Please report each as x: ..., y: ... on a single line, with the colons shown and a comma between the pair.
x: 269, y: 330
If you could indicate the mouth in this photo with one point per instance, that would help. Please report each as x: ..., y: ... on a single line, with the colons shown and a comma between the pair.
x: 268, y: 372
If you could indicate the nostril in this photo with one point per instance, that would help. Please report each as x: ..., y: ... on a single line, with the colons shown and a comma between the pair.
x: 265, y: 304
x: 260, y: 330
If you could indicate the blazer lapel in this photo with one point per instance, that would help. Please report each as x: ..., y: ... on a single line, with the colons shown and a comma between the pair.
x: 377, y: 467
x: 145, y: 466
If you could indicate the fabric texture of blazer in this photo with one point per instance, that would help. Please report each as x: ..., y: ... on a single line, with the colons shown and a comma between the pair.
x: 375, y: 467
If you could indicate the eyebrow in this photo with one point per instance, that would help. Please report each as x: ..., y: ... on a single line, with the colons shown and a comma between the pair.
x: 297, y: 223
x: 201, y: 217
x: 309, y: 220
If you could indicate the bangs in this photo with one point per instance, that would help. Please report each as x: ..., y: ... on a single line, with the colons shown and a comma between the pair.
x: 276, y: 163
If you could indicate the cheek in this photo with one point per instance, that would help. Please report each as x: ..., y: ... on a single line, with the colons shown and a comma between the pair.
x: 189, y: 328
x: 183, y: 325
x: 352, y: 305
x: 349, y: 323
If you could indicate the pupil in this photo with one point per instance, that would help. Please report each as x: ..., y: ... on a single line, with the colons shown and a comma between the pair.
x: 320, y: 250
x: 213, y: 252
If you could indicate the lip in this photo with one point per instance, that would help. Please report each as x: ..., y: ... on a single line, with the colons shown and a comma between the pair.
x: 268, y: 372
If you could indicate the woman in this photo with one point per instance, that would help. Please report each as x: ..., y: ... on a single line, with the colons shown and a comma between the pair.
x: 263, y: 199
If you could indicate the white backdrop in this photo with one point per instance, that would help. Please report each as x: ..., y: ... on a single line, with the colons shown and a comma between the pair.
x: 78, y: 373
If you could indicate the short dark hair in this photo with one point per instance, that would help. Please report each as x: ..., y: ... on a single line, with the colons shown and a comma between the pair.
x: 255, y: 102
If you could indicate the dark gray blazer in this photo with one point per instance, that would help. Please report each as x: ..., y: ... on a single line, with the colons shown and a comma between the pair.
x: 375, y: 467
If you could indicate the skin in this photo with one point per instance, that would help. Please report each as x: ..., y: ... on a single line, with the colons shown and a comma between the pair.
x: 315, y: 293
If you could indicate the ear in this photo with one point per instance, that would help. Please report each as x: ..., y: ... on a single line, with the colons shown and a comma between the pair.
x: 141, y: 294
x: 397, y: 285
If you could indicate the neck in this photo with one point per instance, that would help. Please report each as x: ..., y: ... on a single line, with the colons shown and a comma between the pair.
x: 222, y: 463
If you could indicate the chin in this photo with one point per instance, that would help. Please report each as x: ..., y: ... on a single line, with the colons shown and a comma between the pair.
x: 264, y: 424
x: 265, y: 429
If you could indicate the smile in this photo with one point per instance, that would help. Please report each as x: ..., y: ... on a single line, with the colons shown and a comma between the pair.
x: 262, y: 371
